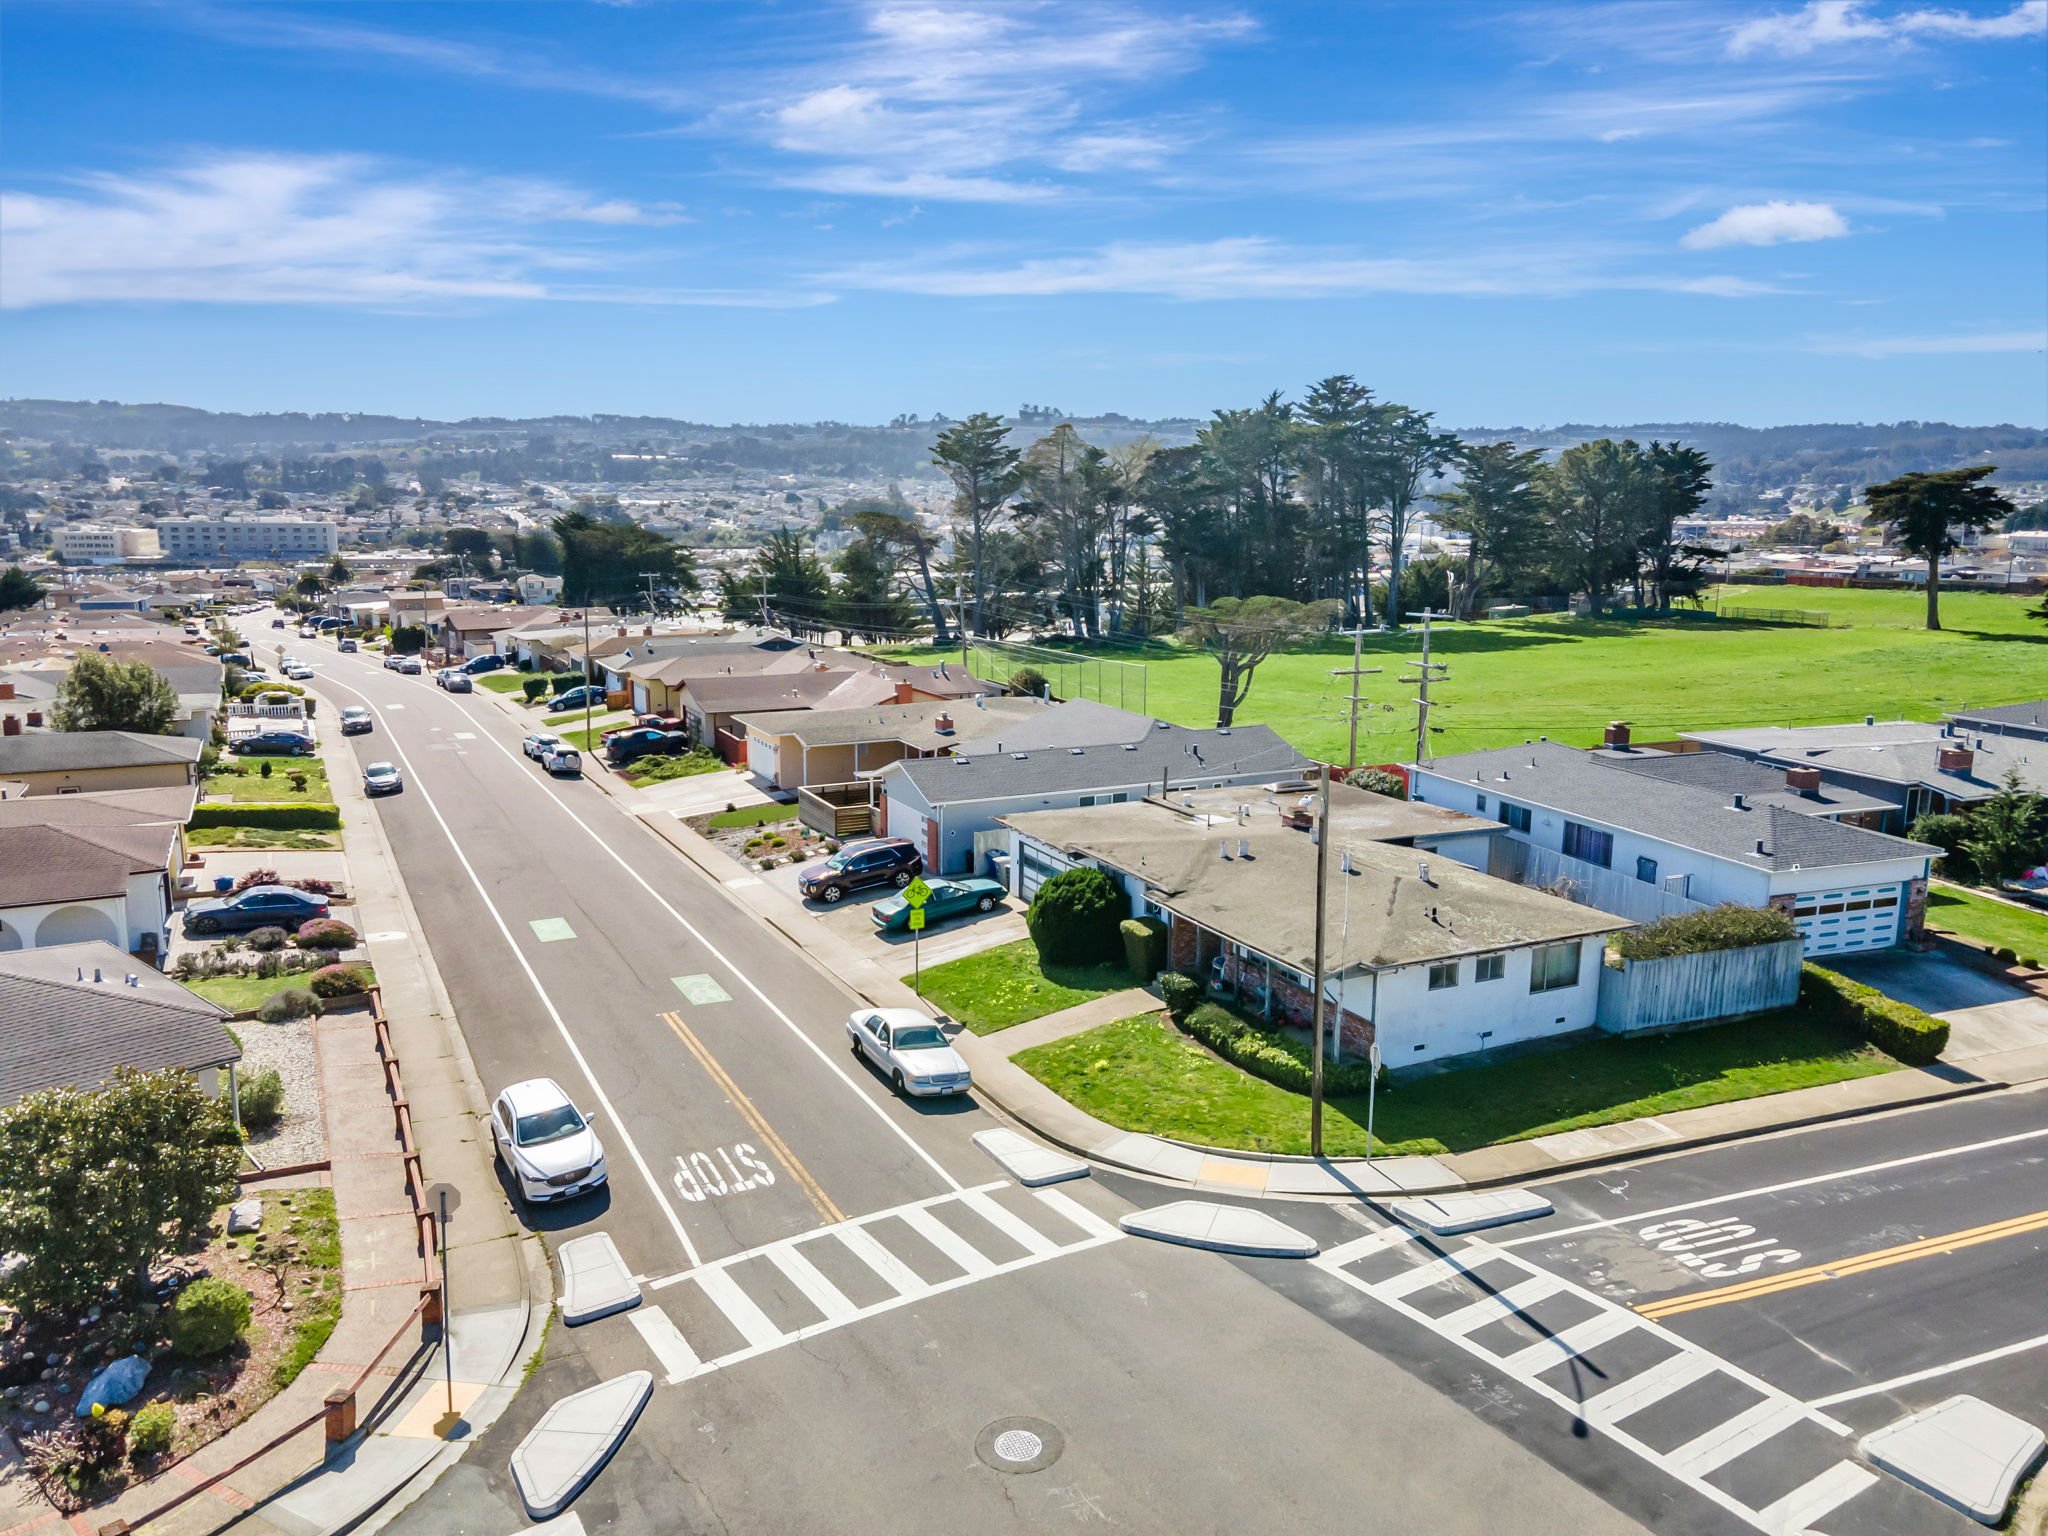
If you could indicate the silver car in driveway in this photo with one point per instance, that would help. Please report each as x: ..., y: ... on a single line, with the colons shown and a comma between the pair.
x: 545, y: 1143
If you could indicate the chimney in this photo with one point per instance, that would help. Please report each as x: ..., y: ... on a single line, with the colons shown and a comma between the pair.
x: 1952, y: 760
x: 35, y: 717
x: 622, y: 631
x: 647, y: 629
x: 10, y: 726
x: 6, y: 690
x: 904, y: 693
x: 943, y: 724
x: 1617, y: 733
x: 1804, y: 781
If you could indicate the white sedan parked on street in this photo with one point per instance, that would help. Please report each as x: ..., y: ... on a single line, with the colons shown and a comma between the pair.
x: 910, y: 1050
x: 545, y: 1143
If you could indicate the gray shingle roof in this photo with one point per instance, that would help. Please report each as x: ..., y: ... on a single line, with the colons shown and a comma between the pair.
x: 46, y: 864
x: 910, y: 724
x: 1910, y: 754
x: 102, y: 808
x: 1071, y: 723
x: 57, y: 751
x: 1732, y: 775
x: 1188, y: 756
x: 59, y: 1031
x: 1578, y: 783
x: 2031, y: 717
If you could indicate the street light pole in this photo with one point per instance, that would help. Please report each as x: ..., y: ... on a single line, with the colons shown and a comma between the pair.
x: 1315, y: 1084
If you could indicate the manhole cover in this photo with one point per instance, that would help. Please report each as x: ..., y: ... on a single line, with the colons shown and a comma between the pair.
x: 1019, y: 1445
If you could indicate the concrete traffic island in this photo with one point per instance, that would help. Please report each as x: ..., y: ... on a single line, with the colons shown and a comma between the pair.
x: 1221, y: 1229
x: 1447, y: 1215
x: 596, y: 1281
x: 1026, y: 1161
x: 574, y: 1439
x: 1964, y: 1452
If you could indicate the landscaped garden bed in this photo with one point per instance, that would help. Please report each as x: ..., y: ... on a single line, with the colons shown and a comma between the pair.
x: 764, y: 836
x: 1009, y: 984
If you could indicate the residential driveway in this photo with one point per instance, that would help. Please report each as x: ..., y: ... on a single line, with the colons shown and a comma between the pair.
x: 948, y: 940
x: 1984, y: 1014
x: 699, y: 794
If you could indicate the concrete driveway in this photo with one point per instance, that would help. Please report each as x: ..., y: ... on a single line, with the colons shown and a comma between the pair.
x: 948, y: 940
x: 1984, y: 1014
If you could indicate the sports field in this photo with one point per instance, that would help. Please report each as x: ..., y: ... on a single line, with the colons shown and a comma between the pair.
x: 1565, y: 678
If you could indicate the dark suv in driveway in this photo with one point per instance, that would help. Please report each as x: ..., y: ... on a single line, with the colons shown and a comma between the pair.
x: 890, y: 861
x: 622, y: 748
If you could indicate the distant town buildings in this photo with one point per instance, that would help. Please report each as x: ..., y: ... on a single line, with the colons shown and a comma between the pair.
x: 247, y: 538
x: 105, y: 544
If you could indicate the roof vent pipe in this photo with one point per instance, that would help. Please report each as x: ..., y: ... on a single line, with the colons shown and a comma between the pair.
x: 1742, y: 802
x: 1244, y: 848
x: 96, y: 974
x: 1422, y: 871
x: 1759, y: 845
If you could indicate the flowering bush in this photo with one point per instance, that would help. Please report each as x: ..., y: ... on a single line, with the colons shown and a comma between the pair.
x: 325, y: 933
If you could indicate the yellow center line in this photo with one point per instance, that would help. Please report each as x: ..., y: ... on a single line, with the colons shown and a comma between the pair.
x: 776, y: 1145
x: 1843, y: 1269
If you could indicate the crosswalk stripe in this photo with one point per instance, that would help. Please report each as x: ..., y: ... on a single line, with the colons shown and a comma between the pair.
x: 1815, y: 1498
x: 942, y: 1237
x: 1078, y: 1213
x: 1031, y: 1239
x: 1568, y: 1344
x: 1501, y: 1304
x: 1417, y: 1279
x: 1672, y: 1374
x: 1362, y: 1247
x: 738, y: 1307
x: 820, y: 1292
x: 666, y: 1340
x: 870, y: 1252
x: 1731, y: 1438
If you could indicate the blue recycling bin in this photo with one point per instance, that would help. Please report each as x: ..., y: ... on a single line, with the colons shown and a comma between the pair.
x: 222, y: 884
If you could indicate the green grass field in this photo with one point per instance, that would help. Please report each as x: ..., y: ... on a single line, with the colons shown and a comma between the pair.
x: 239, y: 992
x: 1996, y: 923
x: 1140, y: 1074
x: 753, y: 816
x: 1006, y: 985
x: 1565, y: 678
x: 250, y: 786
x: 501, y: 682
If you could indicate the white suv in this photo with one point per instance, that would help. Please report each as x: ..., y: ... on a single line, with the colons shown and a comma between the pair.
x: 545, y: 1143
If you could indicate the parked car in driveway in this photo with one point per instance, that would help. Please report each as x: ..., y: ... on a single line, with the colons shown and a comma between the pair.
x: 454, y: 679
x: 576, y: 698
x: 490, y: 661
x: 888, y: 861
x: 355, y: 720
x: 552, y: 753
x: 622, y: 747
x: 382, y: 779
x: 910, y: 1050
x: 260, y: 906
x: 545, y: 1143
x: 949, y: 898
x: 272, y: 743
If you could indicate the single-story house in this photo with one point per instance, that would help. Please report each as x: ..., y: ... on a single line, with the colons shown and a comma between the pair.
x: 710, y: 705
x: 942, y: 803
x: 1424, y: 955
x: 1916, y: 769
x: 2028, y: 720
x: 67, y: 884
x: 1794, y: 788
x: 1602, y: 827
x: 466, y: 632
x: 73, y: 762
x: 792, y: 748
x: 106, y: 808
x: 71, y: 1015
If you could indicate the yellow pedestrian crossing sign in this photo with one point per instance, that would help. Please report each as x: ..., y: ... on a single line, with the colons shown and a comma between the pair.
x: 917, y: 893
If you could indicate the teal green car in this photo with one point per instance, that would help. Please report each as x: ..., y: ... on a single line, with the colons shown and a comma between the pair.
x: 949, y: 898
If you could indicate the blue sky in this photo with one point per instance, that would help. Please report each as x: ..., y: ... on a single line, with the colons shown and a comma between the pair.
x: 1649, y: 210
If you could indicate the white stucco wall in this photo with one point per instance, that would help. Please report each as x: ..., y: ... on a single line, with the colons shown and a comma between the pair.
x: 1417, y: 1025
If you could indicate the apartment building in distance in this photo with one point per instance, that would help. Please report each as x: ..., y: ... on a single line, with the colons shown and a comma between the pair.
x: 105, y: 543
x: 248, y: 538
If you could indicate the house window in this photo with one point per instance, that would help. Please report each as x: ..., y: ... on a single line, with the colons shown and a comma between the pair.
x: 1442, y: 976
x: 1552, y: 966
x: 1646, y: 871
x: 1479, y: 804
x: 1516, y: 816
x: 1489, y: 967
x: 1588, y: 843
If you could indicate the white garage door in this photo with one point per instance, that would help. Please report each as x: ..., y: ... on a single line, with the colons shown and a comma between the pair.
x: 1838, y: 922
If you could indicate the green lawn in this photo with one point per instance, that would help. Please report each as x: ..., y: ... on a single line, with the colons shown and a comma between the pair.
x: 1988, y: 922
x: 659, y: 770
x: 501, y: 682
x: 599, y: 718
x: 236, y: 993
x: 753, y: 815
x: 1140, y: 1074
x: 1566, y: 678
x: 1006, y: 985
x: 251, y: 786
x: 260, y: 837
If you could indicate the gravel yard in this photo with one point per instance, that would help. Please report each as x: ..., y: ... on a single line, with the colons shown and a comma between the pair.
x: 301, y: 1136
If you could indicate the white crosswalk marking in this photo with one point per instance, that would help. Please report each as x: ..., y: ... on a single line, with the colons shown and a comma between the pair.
x: 796, y: 1259
x: 1496, y: 1298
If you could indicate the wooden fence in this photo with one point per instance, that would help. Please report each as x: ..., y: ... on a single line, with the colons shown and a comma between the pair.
x: 1644, y: 996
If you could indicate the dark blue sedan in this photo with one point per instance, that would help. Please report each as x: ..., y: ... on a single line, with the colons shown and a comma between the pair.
x: 261, y: 906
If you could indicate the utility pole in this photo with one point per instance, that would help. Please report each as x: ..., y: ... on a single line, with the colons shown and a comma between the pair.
x: 1429, y: 672
x: 1356, y: 672
x: 764, y: 599
x: 1315, y: 1081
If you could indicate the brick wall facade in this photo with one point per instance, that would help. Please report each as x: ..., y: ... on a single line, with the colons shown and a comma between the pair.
x: 1294, y: 1004
x: 1914, y: 919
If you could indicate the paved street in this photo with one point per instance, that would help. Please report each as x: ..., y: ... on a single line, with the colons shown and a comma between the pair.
x: 842, y: 1294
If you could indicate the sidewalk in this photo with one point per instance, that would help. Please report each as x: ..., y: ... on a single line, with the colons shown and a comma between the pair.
x: 500, y: 1285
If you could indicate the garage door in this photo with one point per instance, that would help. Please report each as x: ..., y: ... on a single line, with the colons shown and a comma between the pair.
x: 1839, y: 922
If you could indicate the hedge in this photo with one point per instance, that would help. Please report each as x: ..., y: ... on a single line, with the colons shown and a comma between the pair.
x: 1181, y: 993
x: 1898, y: 1029
x: 1073, y: 918
x: 1280, y: 1059
x: 311, y: 816
x: 1728, y: 926
x: 1144, y: 946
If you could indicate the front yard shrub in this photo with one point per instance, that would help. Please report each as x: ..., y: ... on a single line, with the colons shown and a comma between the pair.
x: 533, y: 687
x: 1898, y: 1029
x: 1379, y: 781
x: 341, y: 980
x: 1280, y: 1059
x: 1073, y: 918
x: 209, y: 1316
x: 325, y: 933
x: 1728, y: 926
x: 1180, y: 992
x: 291, y: 1003
x: 1946, y: 831
x: 150, y: 1431
x: 305, y: 816
x: 1144, y: 946
x: 262, y: 1100
x: 268, y: 938
x: 562, y: 682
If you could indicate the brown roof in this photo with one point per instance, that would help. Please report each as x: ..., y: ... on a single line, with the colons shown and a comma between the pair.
x: 41, y: 864
x: 103, y: 808
x: 762, y: 690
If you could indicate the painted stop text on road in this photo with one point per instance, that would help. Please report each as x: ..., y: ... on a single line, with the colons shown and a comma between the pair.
x: 721, y: 1171
x: 1718, y: 1247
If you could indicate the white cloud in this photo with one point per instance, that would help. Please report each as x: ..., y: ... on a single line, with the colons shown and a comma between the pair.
x: 1252, y: 267
x: 1919, y: 346
x: 1772, y: 223
x: 309, y: 229
x: 1829, y: 23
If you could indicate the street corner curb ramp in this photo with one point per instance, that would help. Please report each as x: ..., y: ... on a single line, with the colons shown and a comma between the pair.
x: 595, y: 1279
x: 1447, y: 1215
x: 1026, y: 1161
x: 1221, y: 1229
x: 1963, y: 1451
x: 574, y: 1439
